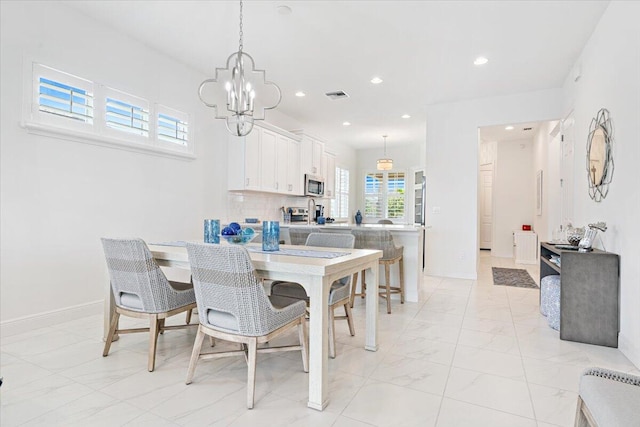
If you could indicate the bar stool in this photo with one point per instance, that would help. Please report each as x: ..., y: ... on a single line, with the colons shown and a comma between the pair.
x: 391, y: 254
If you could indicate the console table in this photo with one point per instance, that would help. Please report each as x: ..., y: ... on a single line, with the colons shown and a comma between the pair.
x: 589, y: 281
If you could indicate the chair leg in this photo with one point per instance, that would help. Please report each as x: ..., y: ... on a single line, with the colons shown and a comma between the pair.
x: 304, y: 344
x: 188, y: 319
x: 387, y: 279
x: 401, y: 266
x: 251, y: 376
x: 354, y: 282
x: 195, y: 354
x: 154, y: 324
x: 347, y: 312
x: 112, y: 332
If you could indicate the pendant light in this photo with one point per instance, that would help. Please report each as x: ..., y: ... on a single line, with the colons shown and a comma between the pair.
x: 385, y: 163
x: 242, y: 88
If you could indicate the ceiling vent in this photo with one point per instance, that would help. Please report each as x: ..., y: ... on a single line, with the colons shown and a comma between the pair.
x: 338, y: 94
x: 527, y: 128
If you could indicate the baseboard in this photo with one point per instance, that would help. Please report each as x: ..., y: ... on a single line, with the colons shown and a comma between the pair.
x: 49, y: 318
x: 630, y: 349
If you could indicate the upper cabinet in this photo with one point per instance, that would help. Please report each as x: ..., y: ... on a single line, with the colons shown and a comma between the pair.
x: 329, y: 175
x: 266, y: 160
x: 311, y: 153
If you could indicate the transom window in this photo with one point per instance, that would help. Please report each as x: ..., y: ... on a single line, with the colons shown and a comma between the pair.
x: 65, y: 100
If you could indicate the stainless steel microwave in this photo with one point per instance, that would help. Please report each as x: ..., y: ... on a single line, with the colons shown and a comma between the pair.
x: 313, y: 185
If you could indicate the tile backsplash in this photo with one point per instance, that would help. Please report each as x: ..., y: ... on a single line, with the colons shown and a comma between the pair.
x: 264, y: 206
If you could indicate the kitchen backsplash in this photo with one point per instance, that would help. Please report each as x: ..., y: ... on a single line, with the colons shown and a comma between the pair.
x: 265, y: 207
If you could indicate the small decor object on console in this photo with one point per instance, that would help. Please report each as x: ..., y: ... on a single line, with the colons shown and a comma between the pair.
x: 574, y: 235
x: 590, y: 236
x: 358, y: 218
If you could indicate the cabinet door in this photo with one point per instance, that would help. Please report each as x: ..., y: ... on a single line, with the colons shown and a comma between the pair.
x: 330, y: 176
x: 251, y: 161
x: 318, y: 152
x: 268, y: 160
x: 294, y: 174
x: 282, y: 164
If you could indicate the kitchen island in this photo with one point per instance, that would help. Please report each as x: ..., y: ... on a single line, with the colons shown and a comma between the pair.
x: 409, y: 236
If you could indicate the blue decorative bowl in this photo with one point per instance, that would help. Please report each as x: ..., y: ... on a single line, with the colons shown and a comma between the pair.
x: 239, y: 239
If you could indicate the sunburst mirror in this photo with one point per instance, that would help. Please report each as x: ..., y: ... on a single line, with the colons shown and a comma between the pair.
x: 599, y: 155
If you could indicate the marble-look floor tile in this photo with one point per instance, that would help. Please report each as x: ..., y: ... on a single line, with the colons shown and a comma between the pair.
x: 383, y: 404
x: 454, y: 413
x: 422, y: 348
x: 489, y: 326
x: 488, y: 341
x: 417, y: 374
x: 490, y: 391
x: 149, y: 420
x: 552, y: 405
x: 489, y: 362
x: 432, y: 331
x: 553, y: 374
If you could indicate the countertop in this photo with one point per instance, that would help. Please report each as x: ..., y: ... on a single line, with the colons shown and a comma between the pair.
x: 346, y: 226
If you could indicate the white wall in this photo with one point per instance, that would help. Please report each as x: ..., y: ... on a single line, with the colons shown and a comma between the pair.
x: 546, y: 157
x: 452, y: 171
x: 405, y: 158
x: 610, y: 64
x: 59, y: 197
x: 513, y: 193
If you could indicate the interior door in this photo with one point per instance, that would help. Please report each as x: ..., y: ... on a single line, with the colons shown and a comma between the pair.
x: 486, y: 206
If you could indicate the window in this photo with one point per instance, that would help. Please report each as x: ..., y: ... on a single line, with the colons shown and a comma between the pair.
x: 384, y: 195
x: 340, y: 205
x: 86, y: 111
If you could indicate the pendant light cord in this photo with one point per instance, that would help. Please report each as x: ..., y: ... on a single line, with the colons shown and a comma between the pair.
x: 240, y: 47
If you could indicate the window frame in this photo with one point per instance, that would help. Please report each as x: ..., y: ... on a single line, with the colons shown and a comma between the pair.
x: 337, y: 206
x: 97, y: 133
x: 384, y: 195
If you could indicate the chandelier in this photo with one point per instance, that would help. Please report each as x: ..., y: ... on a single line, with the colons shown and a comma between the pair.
x: 245, y: 94
x: 385, y: 163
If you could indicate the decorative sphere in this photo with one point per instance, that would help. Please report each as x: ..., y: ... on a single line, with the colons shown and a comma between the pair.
x: 248, y: 231
x: 236, y: 227
x: 228, y: 231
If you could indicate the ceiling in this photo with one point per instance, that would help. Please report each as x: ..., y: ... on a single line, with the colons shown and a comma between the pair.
x: 423, y: 51
x: 518, y: 132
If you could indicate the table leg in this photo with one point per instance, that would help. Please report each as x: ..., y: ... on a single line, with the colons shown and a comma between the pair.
x: 318, y: 343
x: 371, y: 337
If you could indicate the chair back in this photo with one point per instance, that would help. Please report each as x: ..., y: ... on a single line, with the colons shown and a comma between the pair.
x: 331, y: 240
x: 228, y: 293
x: 385, y: 221
x: 137, y: 282
x: 298, y: 235
x: 377, y: 239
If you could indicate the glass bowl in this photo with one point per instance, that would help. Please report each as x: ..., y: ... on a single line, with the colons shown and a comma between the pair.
x: 239, y: 239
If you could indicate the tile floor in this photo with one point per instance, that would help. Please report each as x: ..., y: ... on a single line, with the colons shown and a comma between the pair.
x: 469, y: 354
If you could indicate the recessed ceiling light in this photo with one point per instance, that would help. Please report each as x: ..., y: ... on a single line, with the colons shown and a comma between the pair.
x: 284, y: 10
x: 346, y: 124
x: 509, y: 128
x: 300, y: 94
x: 480, y: 60
x: 376, y: 80
x: 406, y: 116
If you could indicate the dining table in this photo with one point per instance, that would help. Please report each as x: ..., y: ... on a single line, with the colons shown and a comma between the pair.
x: 314, y: 268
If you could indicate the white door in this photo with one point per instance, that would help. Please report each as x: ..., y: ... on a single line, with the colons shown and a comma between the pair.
x: 486, y: 204
x: 566, y: 169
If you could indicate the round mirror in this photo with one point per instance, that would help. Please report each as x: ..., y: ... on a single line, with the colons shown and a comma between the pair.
x: 597, y: 156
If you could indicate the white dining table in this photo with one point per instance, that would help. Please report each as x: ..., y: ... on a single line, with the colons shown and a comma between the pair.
x: 316, y: 276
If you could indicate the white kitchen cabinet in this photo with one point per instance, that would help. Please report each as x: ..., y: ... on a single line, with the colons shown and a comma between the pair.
x: 329, y: 174
x: 311, y: 153
x: 266, y: 160
x: 244, y: 162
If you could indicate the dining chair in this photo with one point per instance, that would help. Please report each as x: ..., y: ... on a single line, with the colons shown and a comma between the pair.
x: 298, y: 235
x: 391, y: 254
x: 385, y: 221
x: 233, y: 306
x: 141, y: 290
x: 286, y: 292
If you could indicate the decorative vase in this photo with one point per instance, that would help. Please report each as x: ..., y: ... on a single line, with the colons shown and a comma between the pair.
x: 212, y: 231
x: 358, y: 218
x: 270, y: 236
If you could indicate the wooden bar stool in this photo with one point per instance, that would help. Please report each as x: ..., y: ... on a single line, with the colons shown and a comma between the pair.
x: 391, y: 254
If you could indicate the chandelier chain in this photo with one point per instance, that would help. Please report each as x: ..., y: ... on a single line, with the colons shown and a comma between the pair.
x: 240, y: 48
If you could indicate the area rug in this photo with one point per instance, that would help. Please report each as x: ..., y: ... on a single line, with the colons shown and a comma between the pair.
x: 512, y: 277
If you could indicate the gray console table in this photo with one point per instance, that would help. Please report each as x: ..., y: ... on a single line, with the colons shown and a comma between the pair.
x: 589, y: 309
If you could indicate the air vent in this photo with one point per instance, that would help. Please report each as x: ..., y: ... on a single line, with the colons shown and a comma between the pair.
x: 338, y: 94
x: 527, y: 128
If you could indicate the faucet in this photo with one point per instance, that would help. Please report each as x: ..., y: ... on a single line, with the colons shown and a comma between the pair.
x: 311, y: 207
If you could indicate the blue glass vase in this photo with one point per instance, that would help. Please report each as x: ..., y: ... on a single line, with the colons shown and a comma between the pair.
x: 358, y: 218
x: 270, y: 236
x: 212, y: 231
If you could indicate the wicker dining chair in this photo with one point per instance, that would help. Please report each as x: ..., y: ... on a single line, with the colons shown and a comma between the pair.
x: 141, y: 290
x: 233, y: 306
x: 286, y: 292
x: 391, y: 254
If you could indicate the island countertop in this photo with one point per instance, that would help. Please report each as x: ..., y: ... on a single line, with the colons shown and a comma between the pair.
x: 347, y: 226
